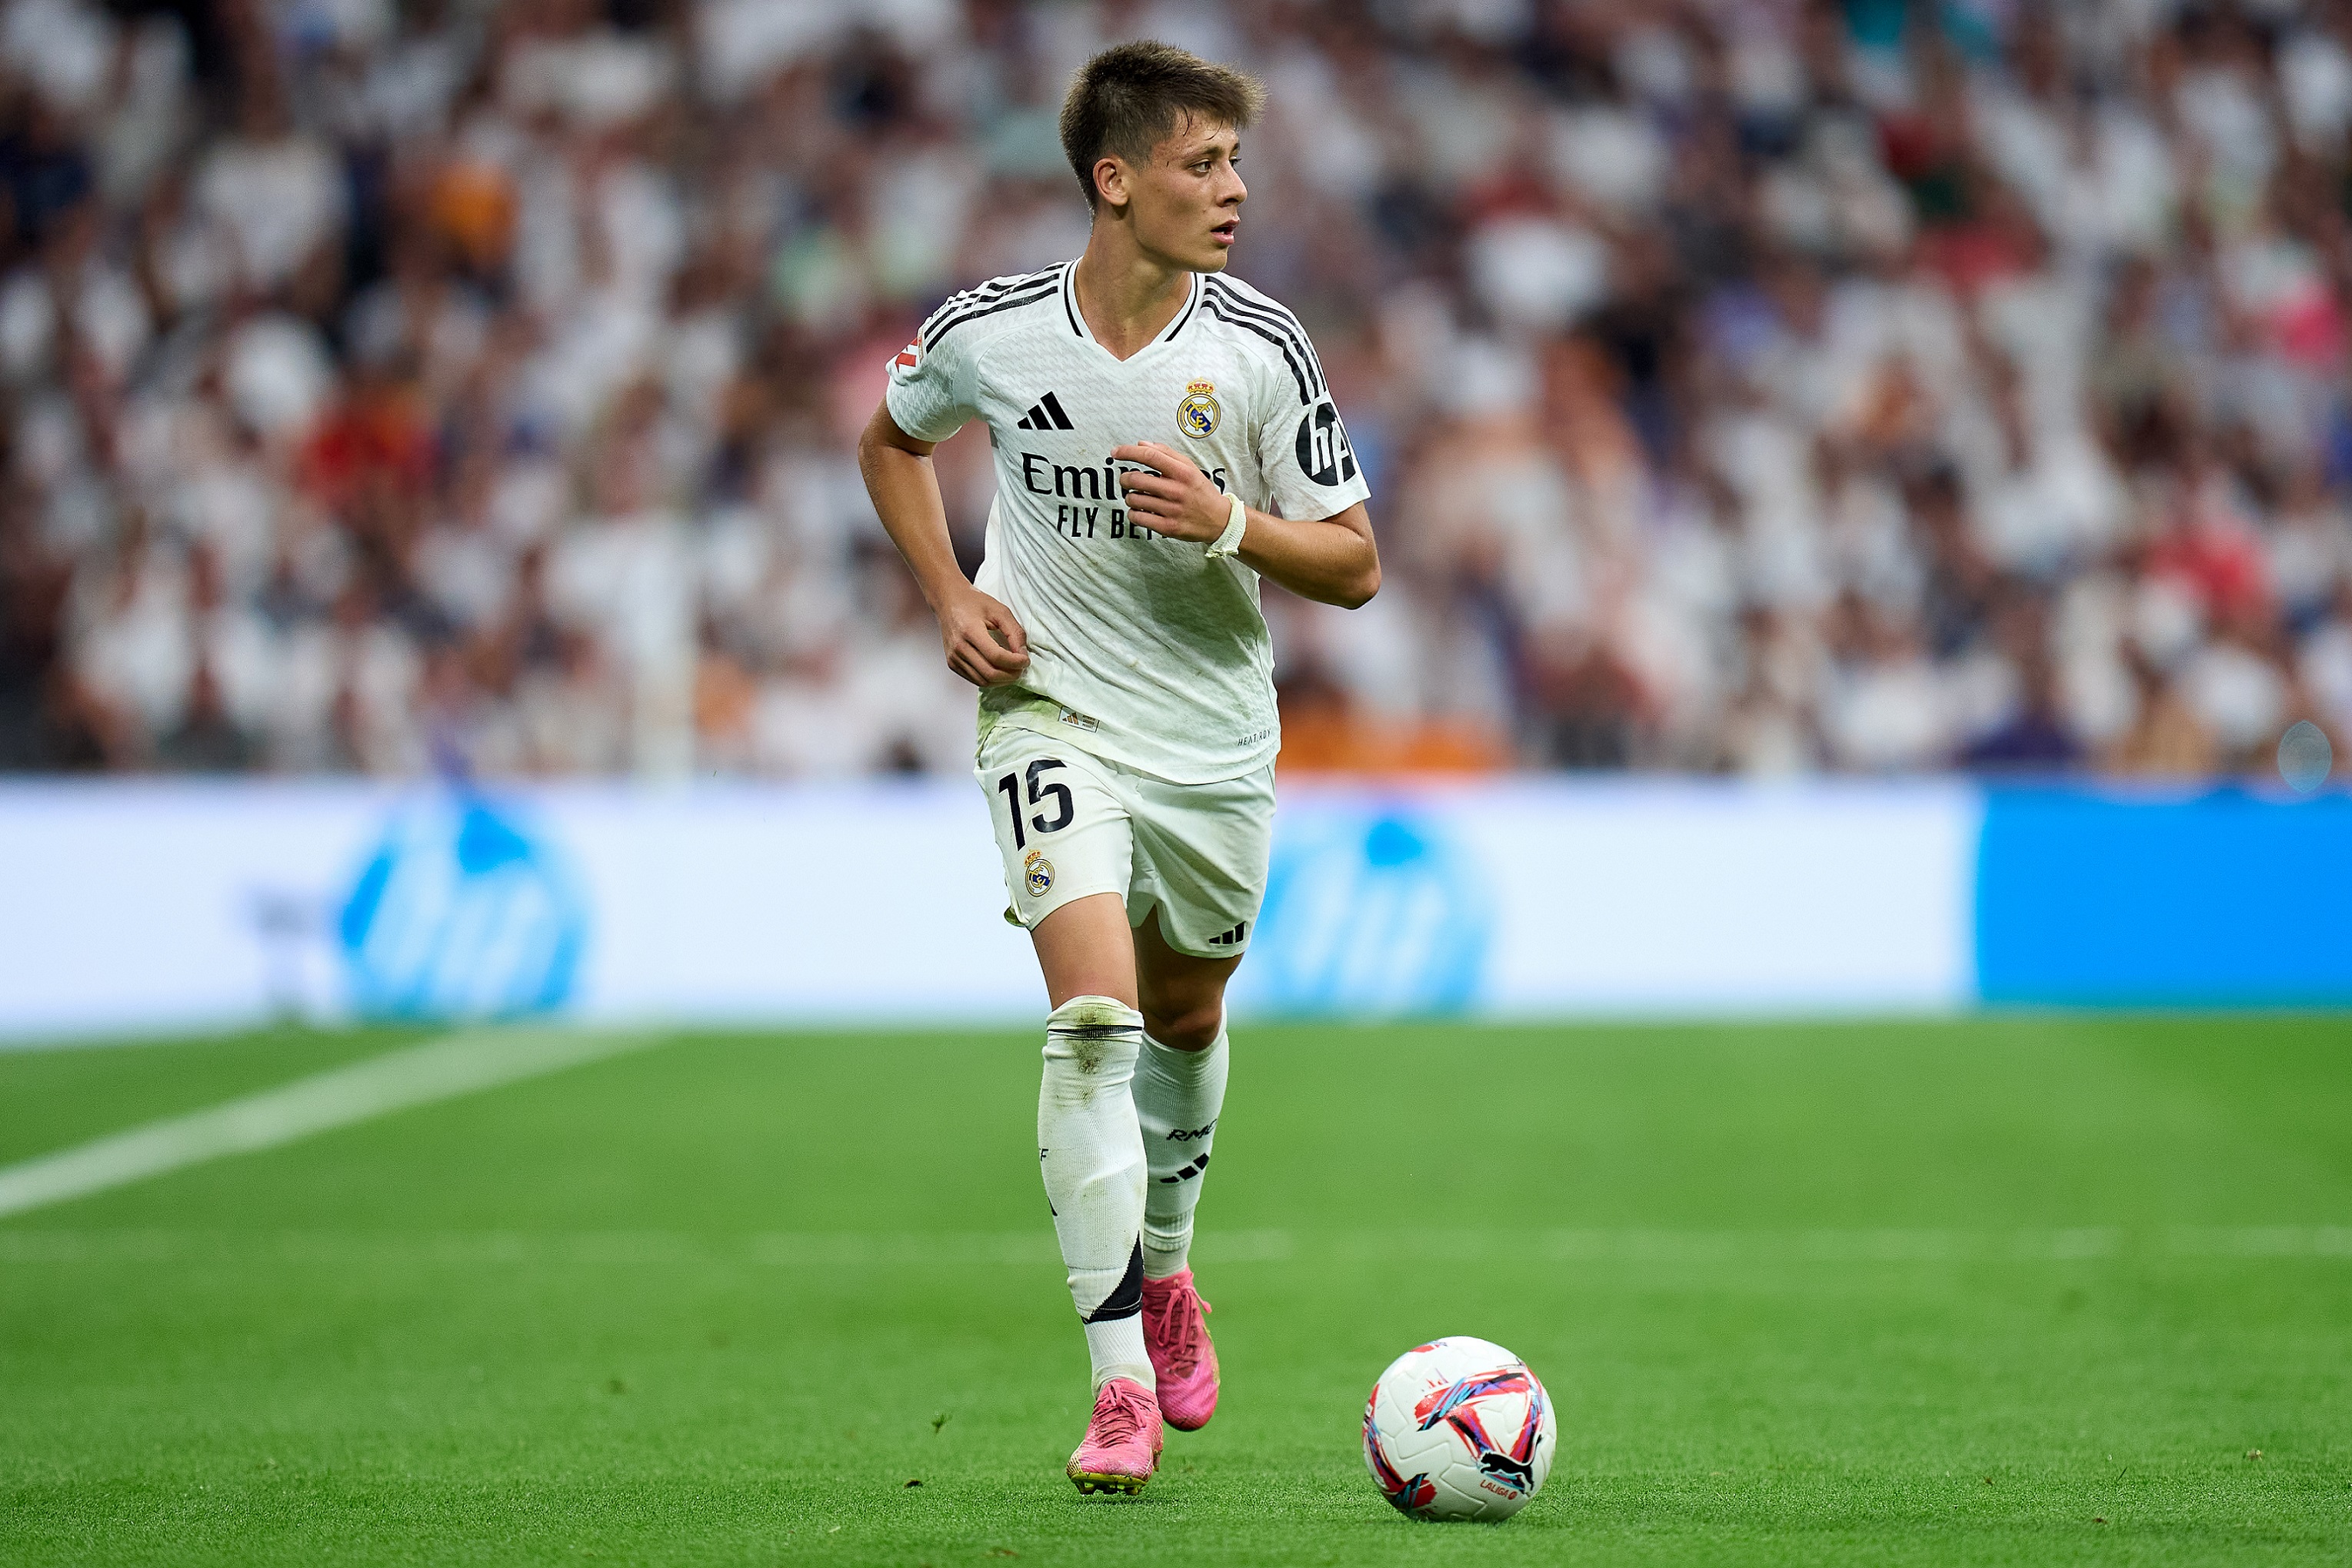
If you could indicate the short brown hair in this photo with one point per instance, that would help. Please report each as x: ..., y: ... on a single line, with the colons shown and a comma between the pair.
x: 1129, y: 99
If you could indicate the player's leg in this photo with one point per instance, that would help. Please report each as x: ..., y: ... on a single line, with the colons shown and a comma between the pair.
x: 1090, y: 1150
x: 1179, y: 1089
x: 1179, y: 1092
x: 1089, y: 1144
x: 1202, y: 858
x: 1068, y: 854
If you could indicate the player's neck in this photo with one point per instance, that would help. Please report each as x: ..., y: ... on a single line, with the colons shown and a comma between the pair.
x: 1127, y: 296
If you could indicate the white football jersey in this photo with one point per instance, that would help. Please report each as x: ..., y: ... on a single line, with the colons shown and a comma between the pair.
x: 1141, y: 648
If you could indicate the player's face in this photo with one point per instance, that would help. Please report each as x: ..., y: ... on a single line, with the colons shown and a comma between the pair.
x: 1188, y: 200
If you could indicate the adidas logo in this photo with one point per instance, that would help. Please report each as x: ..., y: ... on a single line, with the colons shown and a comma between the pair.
x: 1186, y: 1173
x: 1046, y: 415
x: 1231, y: 938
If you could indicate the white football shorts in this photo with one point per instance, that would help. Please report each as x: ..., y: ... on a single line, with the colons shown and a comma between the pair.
x: 1070, y: 824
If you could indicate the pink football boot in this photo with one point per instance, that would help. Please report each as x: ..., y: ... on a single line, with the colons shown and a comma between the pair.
x: 1176, y: 1333
x: 1122, y: 1444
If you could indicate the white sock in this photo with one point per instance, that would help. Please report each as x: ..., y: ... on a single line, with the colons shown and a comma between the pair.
x: 1179, y: 1095
x: 1117, y: 1350
x: 1091, y: 1152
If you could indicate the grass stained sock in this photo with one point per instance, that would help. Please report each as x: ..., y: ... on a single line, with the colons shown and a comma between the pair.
x: 1091, y: 1152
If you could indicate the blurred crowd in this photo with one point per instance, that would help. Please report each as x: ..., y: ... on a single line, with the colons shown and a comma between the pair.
x: 1761, y: 386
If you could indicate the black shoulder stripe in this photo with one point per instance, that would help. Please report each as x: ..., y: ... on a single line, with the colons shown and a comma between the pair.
x: 933, y: 334
x: 1215, y: 306
x: 1281, y: 320
x: 1275, y: 319
x: 1260, y: 306
x: 1008, y: 302
x: 997, y: 286
x: 987, y: 293
x: 965, y: 300
x: 1221, y: 306
x: 1308, y: 343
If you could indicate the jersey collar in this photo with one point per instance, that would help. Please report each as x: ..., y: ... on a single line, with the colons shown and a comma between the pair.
x: 1077, y: 321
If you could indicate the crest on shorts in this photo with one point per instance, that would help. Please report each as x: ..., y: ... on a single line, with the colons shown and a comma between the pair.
x: 1196, y: 416
x: 1038, y: 873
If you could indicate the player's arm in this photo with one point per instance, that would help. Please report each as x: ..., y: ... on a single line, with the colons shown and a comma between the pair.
x: 985, y: 643
x: 1330, y: 560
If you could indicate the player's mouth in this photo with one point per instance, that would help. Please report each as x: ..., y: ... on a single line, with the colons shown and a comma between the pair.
x: 1225, y: 232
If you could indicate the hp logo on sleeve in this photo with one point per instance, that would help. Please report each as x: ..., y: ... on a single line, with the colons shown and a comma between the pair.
x: 1324, y: 454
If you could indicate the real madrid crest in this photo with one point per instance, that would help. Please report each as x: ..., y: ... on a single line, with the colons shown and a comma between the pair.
x: 1038, y: 873
x: 1196, y: 416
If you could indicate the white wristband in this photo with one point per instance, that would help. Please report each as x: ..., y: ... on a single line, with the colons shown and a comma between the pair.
x: 1236, y: 525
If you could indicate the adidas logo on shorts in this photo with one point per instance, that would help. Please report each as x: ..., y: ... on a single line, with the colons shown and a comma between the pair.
x: 1231, y: 938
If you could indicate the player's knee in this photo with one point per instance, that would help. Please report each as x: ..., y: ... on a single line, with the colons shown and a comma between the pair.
x: 1184, y: 1027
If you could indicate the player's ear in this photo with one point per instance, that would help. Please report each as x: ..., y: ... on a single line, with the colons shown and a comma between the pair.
x: 1111, y: 180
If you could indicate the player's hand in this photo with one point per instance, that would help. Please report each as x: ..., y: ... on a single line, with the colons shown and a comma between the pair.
x: 1178, y: 500
x: 985, y: 643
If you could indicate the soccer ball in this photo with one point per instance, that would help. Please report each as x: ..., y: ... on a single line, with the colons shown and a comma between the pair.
x: 1458, y: 1428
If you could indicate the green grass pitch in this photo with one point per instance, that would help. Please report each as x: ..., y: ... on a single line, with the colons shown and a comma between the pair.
x: 2001, y: 1290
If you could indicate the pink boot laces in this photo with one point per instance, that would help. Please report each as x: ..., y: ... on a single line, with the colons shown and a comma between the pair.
x: 1169, y: 1320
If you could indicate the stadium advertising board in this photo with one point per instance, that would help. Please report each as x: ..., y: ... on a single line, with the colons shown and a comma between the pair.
x: 139, y: 906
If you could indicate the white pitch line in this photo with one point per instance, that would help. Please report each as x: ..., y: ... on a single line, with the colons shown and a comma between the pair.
x: 442, y: 1069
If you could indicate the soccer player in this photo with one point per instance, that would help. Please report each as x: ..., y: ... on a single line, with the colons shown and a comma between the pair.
x: 1164, y: 438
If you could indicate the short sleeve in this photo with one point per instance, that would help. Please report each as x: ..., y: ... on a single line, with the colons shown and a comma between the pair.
x: 933, y: 394
x: 1310, y: 469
